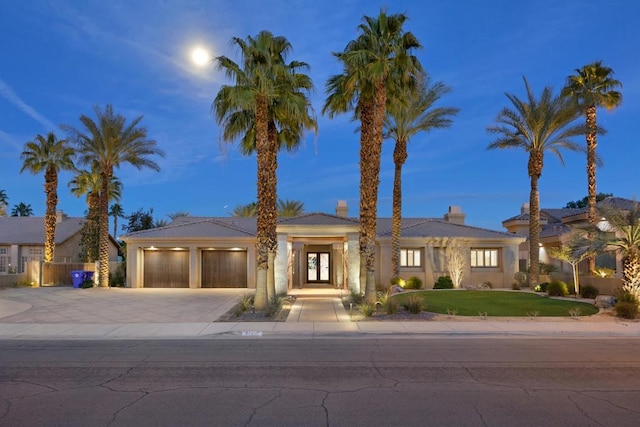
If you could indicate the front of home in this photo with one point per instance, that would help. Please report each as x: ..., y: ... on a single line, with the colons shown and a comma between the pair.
x: 315, y: 249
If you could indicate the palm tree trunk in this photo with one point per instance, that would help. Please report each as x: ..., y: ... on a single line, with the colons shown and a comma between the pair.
x: 535, y: 168
x: 50, y: 188
x: 592, y: 143
x: 264, y: 212
x: 103, y: 224
x: 115, y: 225
x: 273, y: 207
x: 399, y: 157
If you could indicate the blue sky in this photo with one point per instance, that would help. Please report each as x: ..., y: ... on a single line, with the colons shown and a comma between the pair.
x: 60, y: 58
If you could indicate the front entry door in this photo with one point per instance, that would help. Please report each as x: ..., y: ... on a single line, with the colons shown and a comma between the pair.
x: 318, y: 270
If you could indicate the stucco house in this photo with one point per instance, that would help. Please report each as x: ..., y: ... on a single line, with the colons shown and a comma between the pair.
x: 313, y: 249
x: 22, y: 241
x: 555, y: 227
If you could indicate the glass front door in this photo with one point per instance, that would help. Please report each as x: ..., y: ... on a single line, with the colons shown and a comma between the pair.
x: 318, y: 267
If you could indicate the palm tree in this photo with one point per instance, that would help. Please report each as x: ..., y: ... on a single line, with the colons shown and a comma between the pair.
x: 110, y: 142
x: 88, y: 183
x: 591, y: 87
x: 4, y: 199
x: 116, y: 211
x: 404, y: 119
x: 246, y: 211
x: 21, y: 209
x: 537, y: 126
x: 48, y: 154
x: 376, y: 64
x: 177, y: 214
x: 268, y: 104
x: 289, y: 208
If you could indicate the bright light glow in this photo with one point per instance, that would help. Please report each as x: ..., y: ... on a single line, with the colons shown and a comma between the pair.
x: 200, y: 56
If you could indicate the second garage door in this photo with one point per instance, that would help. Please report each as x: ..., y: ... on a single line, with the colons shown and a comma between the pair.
x: 224, y: 269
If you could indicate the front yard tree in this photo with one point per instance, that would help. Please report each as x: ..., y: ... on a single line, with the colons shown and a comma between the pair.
x: 48, y: 154
x: 109, y: 143
x: 377, y: 64
x: 573, y: 254
x: 456, y: 261
x: 268, y: 108
x: 537, y: 126
x: 593, y: 86
x: 405, y: 118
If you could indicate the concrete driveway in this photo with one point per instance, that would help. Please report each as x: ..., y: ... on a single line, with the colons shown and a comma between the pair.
x: 115, y: 305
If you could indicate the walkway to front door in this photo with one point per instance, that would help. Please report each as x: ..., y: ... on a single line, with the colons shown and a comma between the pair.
x: 318, y: 305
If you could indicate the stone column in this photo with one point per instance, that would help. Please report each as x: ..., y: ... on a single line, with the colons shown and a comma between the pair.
x: 353, y: 254
x: 280, y: 264
x: 194, y: 275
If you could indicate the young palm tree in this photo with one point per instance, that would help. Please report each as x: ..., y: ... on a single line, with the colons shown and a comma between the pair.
x: 405, y: 118
x: 268, y: 104
x: 116, y: 211
x: 21, y: 209
x: 377, y: 63
x: 88, y: 183
x: 4, y: 202
x: 591, y: 87
x: 537, y: 126
x: 110, y: 142
x: 48, y: 154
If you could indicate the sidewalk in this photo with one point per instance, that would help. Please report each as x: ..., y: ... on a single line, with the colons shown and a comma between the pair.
x: 72, y: 314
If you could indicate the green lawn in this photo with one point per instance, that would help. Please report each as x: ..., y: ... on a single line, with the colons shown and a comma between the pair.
x: 497, y: 303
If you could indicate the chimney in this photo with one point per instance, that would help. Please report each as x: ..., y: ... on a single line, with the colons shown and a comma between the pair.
x: 342, y: 209
x: 455, y: 215
x: 60, y: 216
x: 524, y: 209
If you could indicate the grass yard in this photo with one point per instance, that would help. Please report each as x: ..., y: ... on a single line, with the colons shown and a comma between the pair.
x: 496, y: 303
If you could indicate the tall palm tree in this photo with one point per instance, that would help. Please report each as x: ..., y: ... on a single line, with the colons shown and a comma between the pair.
x: 87, y: 183
x: 376, y: 64
x: 4, y: 202
x: 591, y: 87
x: 405, y: 118
x: 268, y: 106
x: 537, y: 126
x: 111, y: 142
x: 246, y: 211
x: 22, y: 209
x: 289, y: 208
x: 48, y: 154
x: 116, y: 211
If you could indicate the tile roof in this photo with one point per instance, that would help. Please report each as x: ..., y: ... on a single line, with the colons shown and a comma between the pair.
x: 318, y: 218
x: 201, y: 227
x: 435, y: 227
x: 20, y: 230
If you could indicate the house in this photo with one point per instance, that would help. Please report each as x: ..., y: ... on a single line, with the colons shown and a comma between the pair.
x: 555, y: 228
x: 22, y: 241
x: 313, y: 249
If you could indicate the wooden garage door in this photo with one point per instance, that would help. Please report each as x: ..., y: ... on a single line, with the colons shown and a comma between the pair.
x: 224, y: 269
x: 166, y: 269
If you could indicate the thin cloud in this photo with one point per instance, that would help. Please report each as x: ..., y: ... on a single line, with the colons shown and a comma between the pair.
x: 7, y: 93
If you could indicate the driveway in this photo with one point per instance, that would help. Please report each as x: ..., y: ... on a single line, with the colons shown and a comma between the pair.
x: 115, y: 305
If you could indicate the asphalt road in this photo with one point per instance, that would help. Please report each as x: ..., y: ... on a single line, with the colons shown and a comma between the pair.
x: 321, y: 382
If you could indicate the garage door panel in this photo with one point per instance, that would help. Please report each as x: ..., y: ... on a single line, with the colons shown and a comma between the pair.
x: 224, y: 269
x: 166, y: 269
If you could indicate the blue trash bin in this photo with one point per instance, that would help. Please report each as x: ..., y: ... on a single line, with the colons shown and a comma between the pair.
x: 77, y: 277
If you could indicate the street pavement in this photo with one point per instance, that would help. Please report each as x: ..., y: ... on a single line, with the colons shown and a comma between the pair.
x: 114, y: 314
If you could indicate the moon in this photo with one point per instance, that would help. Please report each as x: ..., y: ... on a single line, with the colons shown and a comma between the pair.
x: 200, y: 56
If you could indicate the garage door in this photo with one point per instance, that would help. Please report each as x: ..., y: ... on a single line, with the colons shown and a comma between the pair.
x: 224, y: 269
x: 166, y: 269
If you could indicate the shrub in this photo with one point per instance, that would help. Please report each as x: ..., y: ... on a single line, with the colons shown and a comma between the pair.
x: 626, y: 309
x: 415, y: 304
x: 246, y: 302
x: 542, y: 287
x: 87, y: 284
x: 488, y: 284
x: 521, y: 278
x: 546, y: 269
x: 395, y: 281
x: 275, y: 305
x: 390, y: 306
x: 356, y: 297
x: 624, y: 296
x: 443, y: 282
x: 603, y: 272
x: 515, y: 286
x: 557, y: 288
x: 588, y: 291
x: 413, y: 283
x: 367, y: 310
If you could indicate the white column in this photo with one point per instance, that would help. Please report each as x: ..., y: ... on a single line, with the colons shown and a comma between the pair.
x: 194, y: 276
x: 280, y: 264
x: 353, y: 254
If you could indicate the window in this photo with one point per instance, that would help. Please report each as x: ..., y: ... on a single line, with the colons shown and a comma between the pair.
x: 484, y: 258
x: 4, y: 260
x: 410, y: 258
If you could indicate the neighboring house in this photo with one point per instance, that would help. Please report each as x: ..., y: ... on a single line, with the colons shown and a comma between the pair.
x: 313, y: 249
x: 555, y: 228
x: 22, y: 241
